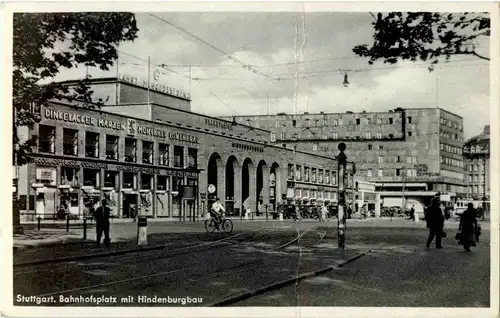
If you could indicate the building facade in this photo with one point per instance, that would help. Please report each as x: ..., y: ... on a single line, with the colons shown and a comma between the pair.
x: 162, y: 162
x: 410, y: 154
x: 477, y: 167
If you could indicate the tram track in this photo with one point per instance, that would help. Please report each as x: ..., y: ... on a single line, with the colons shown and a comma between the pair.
x: 193, y: 276
x: 139, y: 256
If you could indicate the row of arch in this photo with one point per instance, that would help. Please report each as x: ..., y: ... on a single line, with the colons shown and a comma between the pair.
x: 244, y: 183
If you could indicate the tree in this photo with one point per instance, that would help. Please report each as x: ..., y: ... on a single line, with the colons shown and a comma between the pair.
x: 425, y: 36
x: 44, y: 43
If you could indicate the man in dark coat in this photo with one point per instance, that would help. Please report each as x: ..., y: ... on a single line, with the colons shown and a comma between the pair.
x: 468, y: 223
x: 102, y: 215
x: 435, y: 223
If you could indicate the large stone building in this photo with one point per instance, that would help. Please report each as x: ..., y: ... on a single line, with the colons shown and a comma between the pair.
x: 477, y: 166
x: 141, y: 155
x: 408, y: 153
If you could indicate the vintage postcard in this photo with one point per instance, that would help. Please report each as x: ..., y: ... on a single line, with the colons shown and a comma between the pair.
x: 209, y: 159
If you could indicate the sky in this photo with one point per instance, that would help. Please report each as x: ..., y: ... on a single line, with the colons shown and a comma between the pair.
x: 211, y: 66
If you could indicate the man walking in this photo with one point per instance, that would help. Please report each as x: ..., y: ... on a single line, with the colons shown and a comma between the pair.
x: 435, y: 223
x: 102, y: 223
x: 412, y: 213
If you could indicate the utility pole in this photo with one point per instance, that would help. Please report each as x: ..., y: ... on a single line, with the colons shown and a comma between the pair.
x: 484, y: 186
x: 149, y: 76
x: 403, y: 178
x: 341, y: 173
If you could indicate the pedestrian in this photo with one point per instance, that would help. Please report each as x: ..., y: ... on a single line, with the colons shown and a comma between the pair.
x: 468, y: 222
x: 412, y: 213
x: 324, y: 212
x: 363, y: 211
x: 435, y: 223
x: 298, y: 215
x: 102, y: 215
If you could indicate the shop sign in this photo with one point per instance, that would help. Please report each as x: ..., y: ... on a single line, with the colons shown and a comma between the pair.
x: 82, y: 119
x: 155, y: 86
x: 69, y: 163
x: 138, y: 169
x: 247, y: 147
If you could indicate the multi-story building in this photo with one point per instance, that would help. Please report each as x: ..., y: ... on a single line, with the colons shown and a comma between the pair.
x: 477, y: 165
x: 412, y: 153
x: 141, y: 156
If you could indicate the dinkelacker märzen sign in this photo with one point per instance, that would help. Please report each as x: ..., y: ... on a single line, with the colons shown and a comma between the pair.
x: 117, y: 125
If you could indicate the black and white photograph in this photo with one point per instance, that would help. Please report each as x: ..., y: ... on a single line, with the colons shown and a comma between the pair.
x: 285, y: 156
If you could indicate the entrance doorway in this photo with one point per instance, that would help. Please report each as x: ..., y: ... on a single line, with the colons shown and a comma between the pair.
x: 129, y: 205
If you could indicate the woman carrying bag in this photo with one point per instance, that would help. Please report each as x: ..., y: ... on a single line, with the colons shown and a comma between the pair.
x: 466, y: 230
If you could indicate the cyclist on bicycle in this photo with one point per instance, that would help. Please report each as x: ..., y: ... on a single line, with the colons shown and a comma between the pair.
x: 216, y: 212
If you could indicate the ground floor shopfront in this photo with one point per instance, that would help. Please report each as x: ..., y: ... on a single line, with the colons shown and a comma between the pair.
x: 77, y: 186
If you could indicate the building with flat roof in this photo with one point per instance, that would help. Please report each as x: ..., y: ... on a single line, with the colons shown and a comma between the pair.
x: 162, y: 161
x: 410, y: 154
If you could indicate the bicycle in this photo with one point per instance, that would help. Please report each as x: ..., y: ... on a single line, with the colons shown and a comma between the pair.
x: 227, y: 225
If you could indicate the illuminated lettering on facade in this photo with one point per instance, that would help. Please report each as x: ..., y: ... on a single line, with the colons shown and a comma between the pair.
x: 154, y: 132
x: 155, y: 86
x: 218, y: 124
x: 83, y: 120
x: 247, y: 147
x: 183, y: 137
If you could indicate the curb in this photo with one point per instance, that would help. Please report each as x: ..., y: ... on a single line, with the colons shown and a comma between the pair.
x: 283, y: 283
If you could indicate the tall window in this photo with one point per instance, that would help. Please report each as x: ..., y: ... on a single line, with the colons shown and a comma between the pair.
x: 69, y: 176
x: 282, y: 136
x: 129, y: 179
x: 193, y: 158
x: 334, y: 177
x: 110, y: 179
x: 46, y: 139
x: 298, y: 173
x: 379, y: 135
x: 358, y: 121
x: 306, y: 174
x: 313, y: 175
x: 320, y: 176
x: 409, y: 119
x: 91, y: 177
x: 147, y: 152
x: 380, y: 173
x: 398, y: 172
x: 130, y: 150
x: 409, y: 172
x: 369, y: 172
x: 327, y: 177
x: 161, y: 183
x: 380, y: 159
x: 178, y: 156
x: 335, y: 122
x: 368, y: 135
x: 70, y: 142
x: 335, y: 135
x: 91, y: 144
x: 273, y: 137
x: 397, y: 159
x: 111, y: 147
x: 164, y: 154
x: 291, y: 172
x: 390, y: 121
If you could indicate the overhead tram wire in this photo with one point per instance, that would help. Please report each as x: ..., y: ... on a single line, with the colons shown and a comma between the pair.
x: 243, y: 64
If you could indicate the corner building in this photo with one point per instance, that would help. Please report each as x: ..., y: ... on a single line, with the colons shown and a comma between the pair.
x: 140, y: 155
x: 408, y: 154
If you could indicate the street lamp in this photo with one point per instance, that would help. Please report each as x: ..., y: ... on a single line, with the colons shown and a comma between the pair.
x: 341, y: 219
